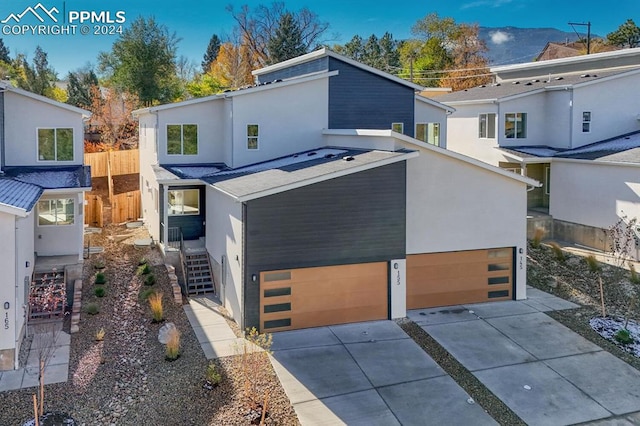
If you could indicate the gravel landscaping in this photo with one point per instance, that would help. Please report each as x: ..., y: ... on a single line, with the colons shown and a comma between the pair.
x: 125, y: 379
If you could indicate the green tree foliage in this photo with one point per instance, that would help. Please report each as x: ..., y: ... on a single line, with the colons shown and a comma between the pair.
x: 627, y: 35
x: 37, y: 77
x: 211, y: 54
x: 143, y: 61
x: 4, y: 53
x: 80, y: 86
x: 381, y: 53
x: 443, y: 53
x: 286, y: 42
x: 203, y: 85
x: 256, y: 27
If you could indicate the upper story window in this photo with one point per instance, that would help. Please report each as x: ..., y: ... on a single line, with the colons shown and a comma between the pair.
x: 515, y: 125
x: 487, y: 126
x: 586, y: 122
x: 55, y: 144
x: 184, y: 202
x: 56, y: 212
x: 397, y: 127
x: 252, y: 136
x: 429, y: 133
x: 182, y: 139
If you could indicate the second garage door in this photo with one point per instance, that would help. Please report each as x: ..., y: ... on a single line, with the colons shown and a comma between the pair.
x: 311, y: 297
x: 452, y: 278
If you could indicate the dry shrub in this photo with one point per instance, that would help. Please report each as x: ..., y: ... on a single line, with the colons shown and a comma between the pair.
x: 557, y: 251
x: 155, y: 303
x: 592, y: 263
x: 173, y: 344
x: 538, y: 235
x: 254, y: 363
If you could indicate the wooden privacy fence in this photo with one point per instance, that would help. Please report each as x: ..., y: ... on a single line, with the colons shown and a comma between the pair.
x: 125, y: 207
x: 113, y: 163
x: 93, y: 210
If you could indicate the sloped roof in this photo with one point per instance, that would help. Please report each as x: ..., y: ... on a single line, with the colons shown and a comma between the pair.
x: 73, y: 177
x: 498, y: 91
x: 289, y: 172
x: 5, y: 85
x: 19, y: 195
x: 621, y: 149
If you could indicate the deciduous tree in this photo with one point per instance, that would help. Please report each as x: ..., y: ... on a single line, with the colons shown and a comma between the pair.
x: 232, y: 68
x: 38, y: 77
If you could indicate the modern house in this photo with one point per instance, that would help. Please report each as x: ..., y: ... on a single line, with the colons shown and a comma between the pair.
x: 323, y: 194
x: 42, y: 184
x: 572, y: 124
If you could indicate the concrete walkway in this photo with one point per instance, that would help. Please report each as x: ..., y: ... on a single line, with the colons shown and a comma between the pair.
x: 211, y: 328
x: 56, y: 371
x: 543, y: 371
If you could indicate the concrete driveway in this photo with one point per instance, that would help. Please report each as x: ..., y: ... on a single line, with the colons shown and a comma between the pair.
x: 368, y: 374
x: 546, y: 373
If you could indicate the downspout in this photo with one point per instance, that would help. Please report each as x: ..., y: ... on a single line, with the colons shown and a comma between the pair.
x: 16, y: 354
x: 2, y: 144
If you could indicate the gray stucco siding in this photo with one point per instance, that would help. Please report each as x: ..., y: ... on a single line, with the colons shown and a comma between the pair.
x: 320, y: 64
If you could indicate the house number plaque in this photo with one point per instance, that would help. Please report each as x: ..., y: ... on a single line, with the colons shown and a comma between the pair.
x: 6, y: 320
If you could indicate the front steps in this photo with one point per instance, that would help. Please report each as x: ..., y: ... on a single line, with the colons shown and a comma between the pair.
x: 198, y: 273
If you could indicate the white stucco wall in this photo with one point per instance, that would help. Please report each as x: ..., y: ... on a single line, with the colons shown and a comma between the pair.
x: 224, y: 237
x: 7, y: 284
x: 24, y: 253
x: 23, y: 116
x: 290, y: 120
x: 57, y: 240
x: 614, y: 105
x: 148, y: 157
x: 453, y: 205
x: 557, y: 118
x: 428, y: 113
x: 210, y: 118
x: 594, y: 194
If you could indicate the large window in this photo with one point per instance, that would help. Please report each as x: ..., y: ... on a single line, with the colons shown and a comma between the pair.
x: 586, y: 122
x: 184, y: 202
x: 56, y: 212
x: 182, y: 139
x: 515, y: 125
x: 487, y: 126
x: 252, y: 136
x: 428, y: 132
x: 55, y: 144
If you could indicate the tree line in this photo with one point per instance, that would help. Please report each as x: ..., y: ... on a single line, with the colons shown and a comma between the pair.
x: 143, y: 67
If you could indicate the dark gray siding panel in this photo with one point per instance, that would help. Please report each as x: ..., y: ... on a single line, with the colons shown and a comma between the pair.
x: 361, y: 100
x: 320, y: 64
x: 354, y: 219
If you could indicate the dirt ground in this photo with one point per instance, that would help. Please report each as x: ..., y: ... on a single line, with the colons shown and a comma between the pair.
x: 121, y: 184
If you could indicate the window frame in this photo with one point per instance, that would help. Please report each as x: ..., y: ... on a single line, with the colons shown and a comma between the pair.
x: 488, y: 121
x: 516, y: 132
x: 398, y: 123
x: 56, y: 222
x: 547, y: 180
x: 182, y: 142
x: 255, y: 137
x: 587, y: 121
x: 55, y: 144
x: 169, y: 205
x: 428, y: 132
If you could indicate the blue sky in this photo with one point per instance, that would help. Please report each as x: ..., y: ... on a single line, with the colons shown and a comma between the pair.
x: 195, y: 21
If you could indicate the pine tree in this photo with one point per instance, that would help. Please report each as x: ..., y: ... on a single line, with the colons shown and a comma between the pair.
x: 79, y: 87
x: 4, y: 53
x: 627, y: 35
x: 287, y: 40
x: 211, y: 54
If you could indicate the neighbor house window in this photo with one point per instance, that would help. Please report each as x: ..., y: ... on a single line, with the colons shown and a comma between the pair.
x: 182, y: 139
x: 586, y: 122
x: 397, y: 127
x: 547, y: 180
x: 56, y: 212
x: 515, y: 125
x: 487, y: 126
x: 252, y: 136
x: 429, y: 133
x: 184, y: 202
x: 55, y: 144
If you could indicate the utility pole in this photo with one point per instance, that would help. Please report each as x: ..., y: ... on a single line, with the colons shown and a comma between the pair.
x: 588, y: 25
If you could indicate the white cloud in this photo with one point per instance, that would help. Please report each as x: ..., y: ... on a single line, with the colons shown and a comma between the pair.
x: 485, y: 4
x: 499, y: 37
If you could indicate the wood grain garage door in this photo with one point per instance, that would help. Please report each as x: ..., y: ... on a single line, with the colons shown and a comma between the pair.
x: 452, y: 278
x: 312, y: 297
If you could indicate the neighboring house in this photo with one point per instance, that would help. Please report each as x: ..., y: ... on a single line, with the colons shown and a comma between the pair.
x: 555, y: 50
x: 42, y: 188
x: 323, y: 195
x: 571, y: 124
